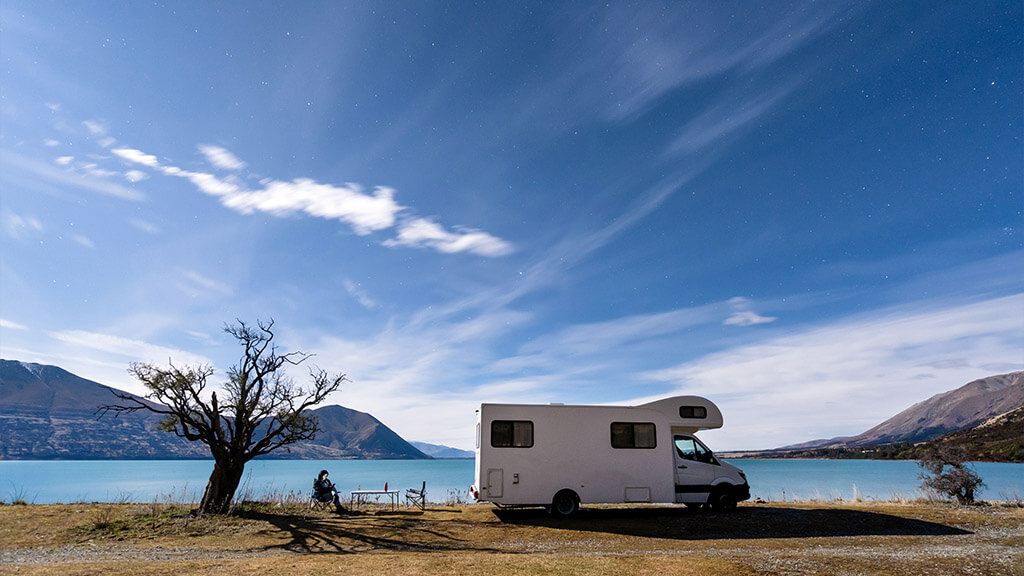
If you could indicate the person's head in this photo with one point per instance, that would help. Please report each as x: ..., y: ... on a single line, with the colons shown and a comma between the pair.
x: 323, y: 474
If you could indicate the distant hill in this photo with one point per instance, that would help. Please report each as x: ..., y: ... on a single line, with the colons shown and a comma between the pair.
x: 443, y: 452
x: 358, y: 435
x: 49, y: 413
x: 1000, y: 439
x: 963, y: 408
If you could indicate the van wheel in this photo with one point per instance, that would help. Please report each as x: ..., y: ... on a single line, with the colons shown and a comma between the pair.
x: 721, y: 500
x: 565, y: 504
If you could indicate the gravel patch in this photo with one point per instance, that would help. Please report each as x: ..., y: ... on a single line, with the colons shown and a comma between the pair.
x: 113, y: 553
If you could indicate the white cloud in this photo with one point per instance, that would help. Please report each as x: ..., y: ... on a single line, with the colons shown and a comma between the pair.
x: 846, y: 377
x: 11, y: 325
x: 195, y: 284
x: 95, y: 127
x: 420, y: 377
x: 357, y: 292
x: 221, y: 158
x: 144, y: 225
x: 137, y: 157
x: 104, y: 357
x: 135, y: 175
x: 725, y: 118
x: 420, y: 232
x: 207, y: 183
x: 625, y: 60
x: 19, y: 227
x: 93, y: 169
x: 83, y: 240
x: 598, y: 338
x: 743, y: 315
x: 51, y: 143
x: 64, y: 160
x: 364, y: 212
x: 49, y: 173
x: 129, y: 349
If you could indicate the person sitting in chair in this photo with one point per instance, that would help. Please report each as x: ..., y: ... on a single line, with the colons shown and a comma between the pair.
x: 325, y: 491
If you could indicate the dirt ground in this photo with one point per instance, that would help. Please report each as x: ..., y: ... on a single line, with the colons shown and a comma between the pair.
x: 764, y: 539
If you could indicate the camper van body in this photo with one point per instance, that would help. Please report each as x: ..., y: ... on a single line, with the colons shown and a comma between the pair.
x: 563, y: 456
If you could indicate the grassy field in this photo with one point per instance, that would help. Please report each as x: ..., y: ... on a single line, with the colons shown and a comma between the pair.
x: 776, y: 538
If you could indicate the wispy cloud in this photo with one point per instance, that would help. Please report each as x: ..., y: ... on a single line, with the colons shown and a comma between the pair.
x: 144, y: 225
x: 82, y: 240
x: 196, y: 284
x: 744, y: 315
x: 791, y: 384
x: 844, y: 377
x: 20, y: 227
x: 95, y: 127
x: 48, y: 172
x: 11, y: 325
x: 629, y: 57
x: 128, y: 349
x: 135, y: 175
x: 98, y: 129
x: 105, y: 356
x: 221, y: 157
x: 361, y: 296
x: 724, y: 119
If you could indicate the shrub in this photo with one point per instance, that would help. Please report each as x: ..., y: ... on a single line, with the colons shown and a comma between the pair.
x: 946, y: 473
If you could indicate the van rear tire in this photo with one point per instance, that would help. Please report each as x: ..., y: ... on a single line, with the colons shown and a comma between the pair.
x: 565, y: 504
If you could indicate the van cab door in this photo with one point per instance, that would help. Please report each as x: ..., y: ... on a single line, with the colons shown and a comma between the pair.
x: 695, y: 468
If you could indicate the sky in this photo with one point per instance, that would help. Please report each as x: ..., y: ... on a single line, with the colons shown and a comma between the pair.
x: 809, y: 213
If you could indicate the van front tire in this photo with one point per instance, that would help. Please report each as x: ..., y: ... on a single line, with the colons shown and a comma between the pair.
x: 722, y: 500
x: 565, y: 504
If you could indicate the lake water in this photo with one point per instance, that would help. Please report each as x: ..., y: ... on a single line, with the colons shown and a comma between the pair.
x: 47, y: 482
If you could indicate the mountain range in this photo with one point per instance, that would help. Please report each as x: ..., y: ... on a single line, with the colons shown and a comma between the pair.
x: 966, y: 407
x: 49, y: 413
x: 442, y: 452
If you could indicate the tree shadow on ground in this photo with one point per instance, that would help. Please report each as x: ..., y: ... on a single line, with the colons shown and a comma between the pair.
x: 354, y: 533
x: 744, y: 523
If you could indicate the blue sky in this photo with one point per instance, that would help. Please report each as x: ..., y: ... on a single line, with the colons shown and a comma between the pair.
x: 808, y: 212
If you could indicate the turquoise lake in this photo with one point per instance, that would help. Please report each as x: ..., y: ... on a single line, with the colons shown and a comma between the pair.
x: 47, y: 482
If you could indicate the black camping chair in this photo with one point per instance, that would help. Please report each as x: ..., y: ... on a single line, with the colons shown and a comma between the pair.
x: 417, y: 497
x: 321, y: 501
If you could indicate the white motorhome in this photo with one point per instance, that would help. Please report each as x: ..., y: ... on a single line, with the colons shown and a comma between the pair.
x: 562, y: 456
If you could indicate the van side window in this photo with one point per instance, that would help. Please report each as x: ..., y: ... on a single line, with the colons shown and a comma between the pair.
x: 693, y: 412
x: 692, y: 449
x: 512, y: 434
x: 634, y: 435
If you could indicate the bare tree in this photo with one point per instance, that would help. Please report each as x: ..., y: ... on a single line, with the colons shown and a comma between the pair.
x: 947, y: 473
x: 262, y: 409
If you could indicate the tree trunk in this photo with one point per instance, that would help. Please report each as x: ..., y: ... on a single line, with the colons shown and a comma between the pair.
x: 220, y: 490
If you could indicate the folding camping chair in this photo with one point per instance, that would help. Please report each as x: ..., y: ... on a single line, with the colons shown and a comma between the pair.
x: 321, y: 501
x: 417, y: 497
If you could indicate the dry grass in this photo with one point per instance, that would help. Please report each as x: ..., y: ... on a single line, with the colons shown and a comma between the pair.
x: 782, y: 538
